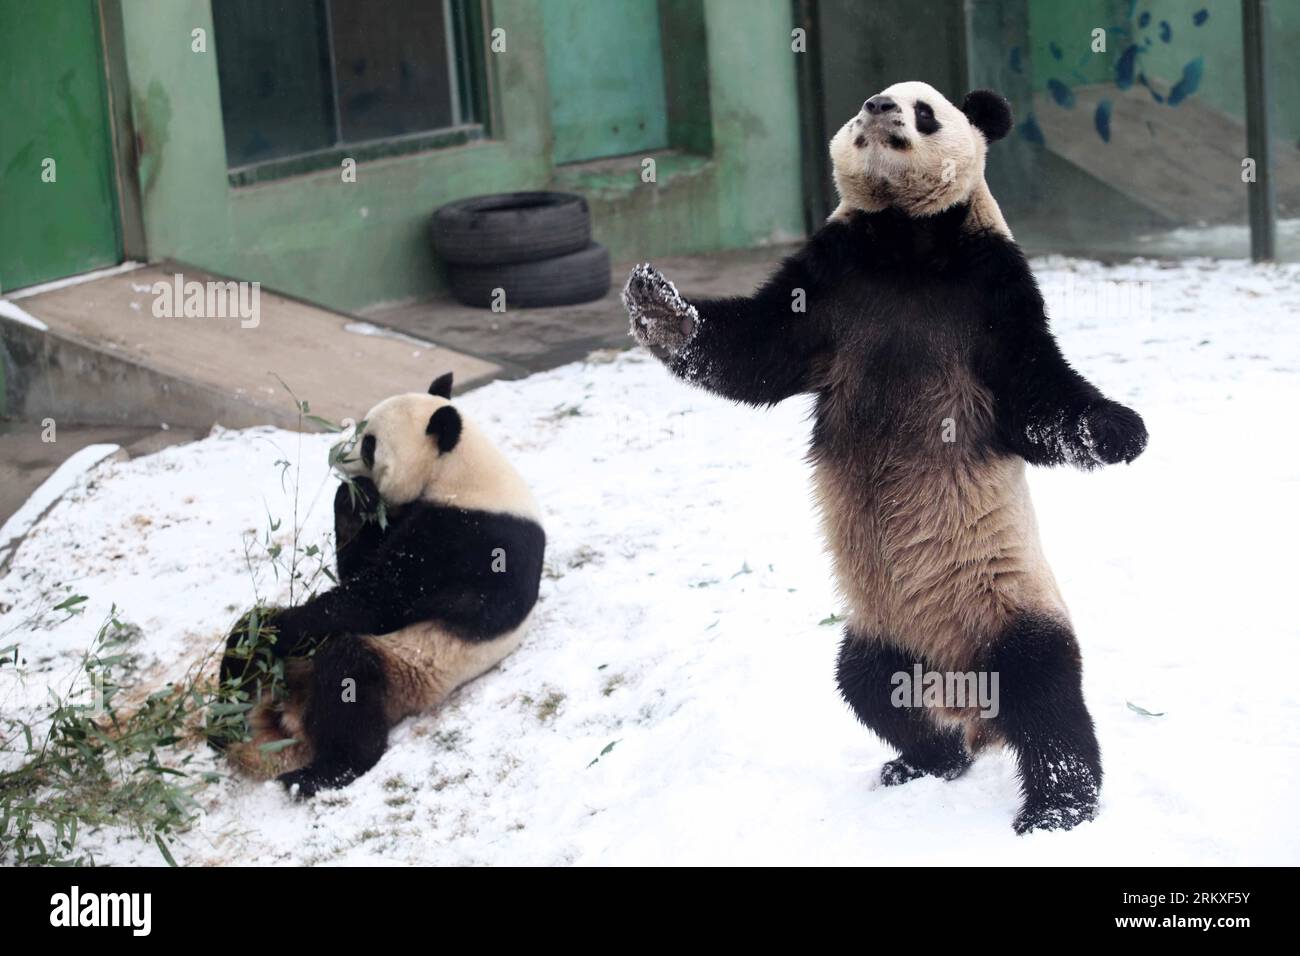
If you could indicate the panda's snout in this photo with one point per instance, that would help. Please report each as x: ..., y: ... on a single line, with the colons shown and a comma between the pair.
x: 879, y: 105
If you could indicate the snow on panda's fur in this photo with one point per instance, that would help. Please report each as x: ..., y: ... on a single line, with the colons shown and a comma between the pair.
x: 429, y: 598
x: 924, y: 338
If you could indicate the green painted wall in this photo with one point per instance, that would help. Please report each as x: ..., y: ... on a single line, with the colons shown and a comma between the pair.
x: 64, y: 221
x: 349, y: 245
x: 605, y: 73
x: 748, y: 190
x: 1066, y: 29
x: 1217, y: 42
x: 343, y: 244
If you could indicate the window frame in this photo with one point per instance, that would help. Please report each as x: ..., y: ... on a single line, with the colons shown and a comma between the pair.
x: 471, y: 93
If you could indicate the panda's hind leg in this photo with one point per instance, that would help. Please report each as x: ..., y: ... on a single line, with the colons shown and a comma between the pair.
x: 1042, y: 716
x: 865, y: 675
x: 345, y: 722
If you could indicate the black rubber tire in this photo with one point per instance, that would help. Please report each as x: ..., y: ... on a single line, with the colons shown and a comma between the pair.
x: 562, y: 280
x: 511, y: 227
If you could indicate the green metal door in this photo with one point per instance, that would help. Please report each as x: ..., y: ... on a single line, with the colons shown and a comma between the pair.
x: 605, y: 69
x: 58, y: 207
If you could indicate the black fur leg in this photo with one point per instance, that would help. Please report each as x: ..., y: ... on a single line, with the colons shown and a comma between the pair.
x: 866, y: 670
x: 345, y: 720
x: 305, y: 783
x: 233, y: 667
x: 1044, y: 719
x: 235, y: 662
x: 950, y: 766
x: 240, y: 679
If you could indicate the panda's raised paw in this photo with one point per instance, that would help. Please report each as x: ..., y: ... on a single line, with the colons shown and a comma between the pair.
x: 1112, y: 433
x: 660, y: 317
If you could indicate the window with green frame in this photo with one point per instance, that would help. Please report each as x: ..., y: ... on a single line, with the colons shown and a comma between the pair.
x: 307, y: 83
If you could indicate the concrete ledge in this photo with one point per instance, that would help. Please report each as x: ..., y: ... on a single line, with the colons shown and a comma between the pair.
x: 105, y: 358
x: 50, y: 376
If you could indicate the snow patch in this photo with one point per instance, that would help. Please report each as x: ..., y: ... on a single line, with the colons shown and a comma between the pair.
x: 675, y: 700
x: 10, y: 311
x: 367, y: 328
x: 49, y: 491
x: 128, y: 266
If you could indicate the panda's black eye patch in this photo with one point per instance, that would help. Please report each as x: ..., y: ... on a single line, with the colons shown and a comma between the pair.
x: 925, y: 121
x: 368, y: 450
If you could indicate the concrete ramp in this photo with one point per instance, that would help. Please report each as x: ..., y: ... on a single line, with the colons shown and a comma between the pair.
x: 96, y: 352
x: 1182, y: 163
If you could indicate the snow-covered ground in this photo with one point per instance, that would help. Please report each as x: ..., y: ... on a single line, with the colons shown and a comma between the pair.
x: 675, y: 702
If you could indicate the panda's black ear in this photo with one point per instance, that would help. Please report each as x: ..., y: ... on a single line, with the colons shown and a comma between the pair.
x: 444, y: 425
x: 988, y: 112
x: 441, y: 386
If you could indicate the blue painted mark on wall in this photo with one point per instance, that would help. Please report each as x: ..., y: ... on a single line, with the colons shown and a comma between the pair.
x: 1063, y: 95
x: 1101, y: 120
x: 1190, y: 82
x: 1142, y: 78
x: 1125, y: 68
x: 1126, y: 73
x: 1030, y: 131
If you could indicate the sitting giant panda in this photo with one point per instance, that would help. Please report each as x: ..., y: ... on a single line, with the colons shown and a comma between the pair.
x: 439, y: 561
x: 914, y: 319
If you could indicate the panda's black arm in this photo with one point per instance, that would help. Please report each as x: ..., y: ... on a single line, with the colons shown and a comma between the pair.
x: 753, y: 350
x: 758, y: 349
x: 1048, y: 413
x: 372, y: 596
x: 475, y: 572
x: 358, y: 530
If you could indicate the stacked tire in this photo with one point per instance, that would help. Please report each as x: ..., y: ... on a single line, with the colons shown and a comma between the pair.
x: 534, y: 246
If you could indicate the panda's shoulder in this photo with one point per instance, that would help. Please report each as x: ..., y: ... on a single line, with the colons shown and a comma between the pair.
x: 837, y: 247
x: 995, y: 257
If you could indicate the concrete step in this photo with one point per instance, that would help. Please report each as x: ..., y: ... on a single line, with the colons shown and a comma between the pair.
x: 95, y: 352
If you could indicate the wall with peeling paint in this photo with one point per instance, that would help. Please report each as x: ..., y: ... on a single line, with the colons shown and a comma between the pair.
x: 351, y: 245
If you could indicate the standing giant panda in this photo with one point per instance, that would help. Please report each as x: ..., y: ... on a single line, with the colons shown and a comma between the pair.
x: 439, y: 560
x: 936, y: 377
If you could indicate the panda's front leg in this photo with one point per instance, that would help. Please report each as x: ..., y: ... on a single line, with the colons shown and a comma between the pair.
x: 1109, y: 433
x: 360, y: 524
x: 757, y: 349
